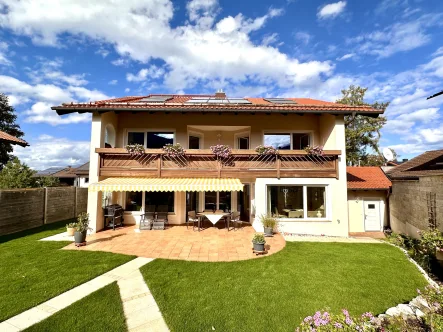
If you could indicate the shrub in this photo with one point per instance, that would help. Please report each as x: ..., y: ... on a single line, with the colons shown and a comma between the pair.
x: 258, y: 238
x: 135, y: 149
x: 71, y: 225
x: 268, y: 221
x: 266, y: 150
x: 82, y: 222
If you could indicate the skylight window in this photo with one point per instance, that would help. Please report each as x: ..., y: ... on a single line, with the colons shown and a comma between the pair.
x: 280, y: 101
x: 155, y: 99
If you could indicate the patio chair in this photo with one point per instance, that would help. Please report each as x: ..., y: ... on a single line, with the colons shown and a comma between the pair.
x: 235, y: 218
x: 150, y: 208
x: 162, y: 208
x: 146, y: 220
x: 193, y: 218
x: 162, y: 217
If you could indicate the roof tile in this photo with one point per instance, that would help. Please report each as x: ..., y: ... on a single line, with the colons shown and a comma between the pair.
x: 367, y: 178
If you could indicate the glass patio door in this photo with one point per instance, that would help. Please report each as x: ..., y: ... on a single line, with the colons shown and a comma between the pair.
x: 244, y: 203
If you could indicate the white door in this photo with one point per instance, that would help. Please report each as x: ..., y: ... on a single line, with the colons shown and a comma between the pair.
x: 372, y: 216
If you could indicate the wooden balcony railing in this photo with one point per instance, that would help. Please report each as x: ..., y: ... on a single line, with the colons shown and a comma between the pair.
x: 242, y: 164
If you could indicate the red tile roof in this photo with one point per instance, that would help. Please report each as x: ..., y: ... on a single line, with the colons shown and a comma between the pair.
x: 364, y: 178
x: 177, y: 103
x: 11, y: 139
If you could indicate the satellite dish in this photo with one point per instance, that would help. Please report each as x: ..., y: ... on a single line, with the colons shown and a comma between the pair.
x: 387, y: 153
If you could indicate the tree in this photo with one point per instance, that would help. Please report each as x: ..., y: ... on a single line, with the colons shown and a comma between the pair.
x: 362, y: 132
x: 17, y: 175
x: 9, y: 126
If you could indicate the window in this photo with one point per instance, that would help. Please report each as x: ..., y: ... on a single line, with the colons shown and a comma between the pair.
x: 243, y: 143
x: 161, y: 201
x: 278, y: 141
x: 194, y: 142
x: 157, y: 140
x: 296, y: 201
x: 218, y: 200
x: 136, y: 138
x: 86, y: 180
x: 134, y: 201
x: 287, y: 141
x: 371, y: 206
x: 300, y: 141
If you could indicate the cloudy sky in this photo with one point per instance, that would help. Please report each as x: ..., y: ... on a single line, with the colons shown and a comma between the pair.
x: 54, y: 51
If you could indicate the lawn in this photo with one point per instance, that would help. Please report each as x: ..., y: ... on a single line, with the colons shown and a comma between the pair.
x: 275, y: 293
x: 35, y: 271
x: 99, y: 311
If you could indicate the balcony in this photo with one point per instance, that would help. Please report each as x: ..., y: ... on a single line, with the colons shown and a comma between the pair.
x: 246, y: 165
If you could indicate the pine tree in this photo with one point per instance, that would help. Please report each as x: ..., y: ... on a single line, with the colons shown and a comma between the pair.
x: 362, y: 132
x: 9, y: 126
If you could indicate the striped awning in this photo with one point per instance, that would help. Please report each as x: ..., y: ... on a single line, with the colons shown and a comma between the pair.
x: 167, y: 184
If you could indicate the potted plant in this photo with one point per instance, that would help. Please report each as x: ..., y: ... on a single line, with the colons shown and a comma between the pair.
x: 314, y: 150
x: 81, y: 228
x: 70, y: 228
x: 258, y: 242
x: 221, y: 151
x: 174, y: 150
x: 135, y: 149
x: 266, y: 150
x: 269, y: 224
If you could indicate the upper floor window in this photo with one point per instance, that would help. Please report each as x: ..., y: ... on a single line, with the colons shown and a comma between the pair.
x: 151, y: 139
x: 243, y: 143
x: 194, y: 142
x: 288, y: 141
x: 157, y: 140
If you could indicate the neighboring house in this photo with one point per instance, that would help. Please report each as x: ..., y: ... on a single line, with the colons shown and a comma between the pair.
x: 306, y: 192
x: 368, y: 199
x: 68, y: 176
x: 417, y: 193
x: 4, y: 137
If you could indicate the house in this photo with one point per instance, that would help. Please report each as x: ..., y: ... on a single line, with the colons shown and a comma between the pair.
x: 4, y: 137
x: 368, y: 200
x: 306, y: 191
x: 68, y: 176
x: 416, y: 202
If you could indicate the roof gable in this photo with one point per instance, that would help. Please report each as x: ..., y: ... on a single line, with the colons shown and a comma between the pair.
x: 428, y: 163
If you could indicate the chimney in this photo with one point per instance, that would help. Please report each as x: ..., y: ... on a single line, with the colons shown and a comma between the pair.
x: 220, y: 94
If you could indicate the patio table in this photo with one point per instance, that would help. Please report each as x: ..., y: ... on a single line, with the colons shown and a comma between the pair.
x: 213, y: 217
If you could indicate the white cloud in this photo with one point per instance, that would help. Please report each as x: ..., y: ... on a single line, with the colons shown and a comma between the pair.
x: 270, y: 39
x: 153, y: 72
x: 127, y: 90
x: 303, y: 36
x: 47, y: 151
x: 142, y: 31
x: 41, y: 112
x: 331, y: 10
x: 346, y: 56
x: 398, y: 37
x: 113, y: 82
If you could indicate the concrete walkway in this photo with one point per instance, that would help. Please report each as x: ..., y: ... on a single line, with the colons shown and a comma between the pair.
x: 140, y: 309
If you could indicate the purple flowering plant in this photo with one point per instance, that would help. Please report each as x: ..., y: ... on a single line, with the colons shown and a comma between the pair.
x: 174, y: 150
x: 266, y: 150
x: 323, y: 321
x: 315, y: 150
x: 221, y: 151
x: 135, y: 149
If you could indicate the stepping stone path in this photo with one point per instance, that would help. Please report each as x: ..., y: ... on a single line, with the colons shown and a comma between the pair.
x: 140, y: 309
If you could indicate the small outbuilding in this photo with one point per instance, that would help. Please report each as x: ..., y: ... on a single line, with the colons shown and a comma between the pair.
x: 368, y: 200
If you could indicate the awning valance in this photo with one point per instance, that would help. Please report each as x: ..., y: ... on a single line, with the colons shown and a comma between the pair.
x: 167, y: 184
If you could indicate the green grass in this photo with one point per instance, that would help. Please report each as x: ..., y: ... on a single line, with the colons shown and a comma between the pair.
x: 33, y: 271
x: 99, y: 311
x: 275, y: 293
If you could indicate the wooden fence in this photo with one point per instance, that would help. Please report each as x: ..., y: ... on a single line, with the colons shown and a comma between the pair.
x: 22, y: 209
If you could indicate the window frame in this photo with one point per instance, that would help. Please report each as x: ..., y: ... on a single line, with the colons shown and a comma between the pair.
x: 328, y: 204
x: 242, y: 134
x: 290, y: 133
x: 123, y: 203
x: 146, y: 131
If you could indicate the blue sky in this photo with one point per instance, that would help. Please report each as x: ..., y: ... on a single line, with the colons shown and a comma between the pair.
x: 66, y: 50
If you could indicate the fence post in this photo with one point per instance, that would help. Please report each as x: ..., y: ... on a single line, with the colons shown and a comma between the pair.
x: 45, y: 204
x: 75, y: 201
